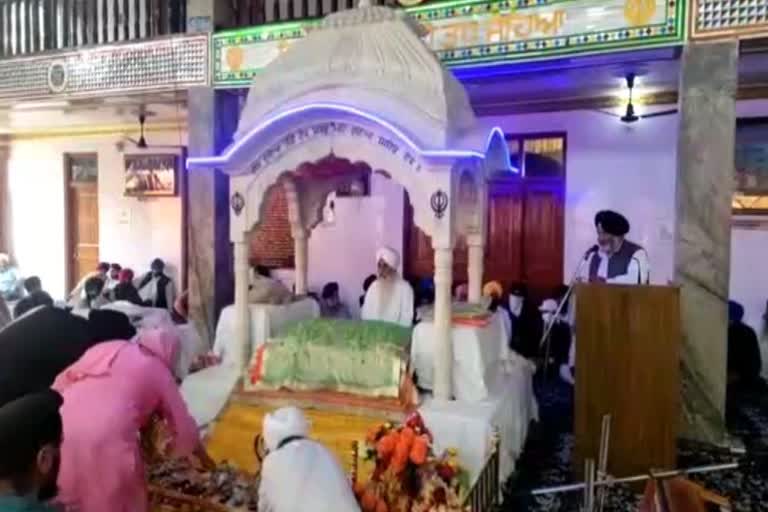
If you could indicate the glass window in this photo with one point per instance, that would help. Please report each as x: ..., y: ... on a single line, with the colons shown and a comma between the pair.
x: 83, y: 169
x: 544, y: 157
x: 751, y: 167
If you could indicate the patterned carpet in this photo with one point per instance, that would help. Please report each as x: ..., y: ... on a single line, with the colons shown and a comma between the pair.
x: 546, y: 460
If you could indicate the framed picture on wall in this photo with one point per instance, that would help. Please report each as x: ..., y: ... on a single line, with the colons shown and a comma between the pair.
x: 151, y: 175
x: 751, y: 164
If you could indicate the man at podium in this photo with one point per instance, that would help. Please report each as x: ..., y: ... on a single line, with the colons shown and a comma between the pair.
x: 615, y: 259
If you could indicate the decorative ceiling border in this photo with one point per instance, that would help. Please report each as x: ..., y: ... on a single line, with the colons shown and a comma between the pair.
x: 169, y: 63
x: 727, y: 19
x: 466, y: 33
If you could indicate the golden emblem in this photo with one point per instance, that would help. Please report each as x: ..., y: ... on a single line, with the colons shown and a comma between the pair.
x: 234, y: 58
x: 639, y: 12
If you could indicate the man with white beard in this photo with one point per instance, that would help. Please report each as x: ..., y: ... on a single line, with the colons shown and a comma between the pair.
x: 390, y: 297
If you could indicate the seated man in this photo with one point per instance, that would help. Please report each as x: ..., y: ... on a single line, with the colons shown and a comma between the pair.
x: 35, y: 297
x: 299, y: 474
x: 390, y: 297
x: 30, y: 441
x: 330, y: 303
x: 125, y: 290
x: 560, y: 340
x: 266, y: 290
x: 744, y: 360
x: 78, y: 292
x: 94, y: 294
x: 156, y: 289
x: 113, y: 278
x: 10, y: 282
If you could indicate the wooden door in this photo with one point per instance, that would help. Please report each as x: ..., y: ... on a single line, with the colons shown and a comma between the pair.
x: 503, y: 253
x: 543, y: 237
x: 81, y: 181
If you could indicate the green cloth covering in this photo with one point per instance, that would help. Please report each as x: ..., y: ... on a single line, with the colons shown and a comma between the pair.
x: 459, y: 311
x: 359, y: 357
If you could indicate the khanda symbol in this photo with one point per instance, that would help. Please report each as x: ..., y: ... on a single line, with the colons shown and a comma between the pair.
x: 639, y: 12
x: 439, y: 203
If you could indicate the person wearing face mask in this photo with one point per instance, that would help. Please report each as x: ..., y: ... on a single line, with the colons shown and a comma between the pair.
x: 156, y: 289
x: 560, y: 339
x: 390, y: 297
x: 615, y: 259
x: 30, y: 441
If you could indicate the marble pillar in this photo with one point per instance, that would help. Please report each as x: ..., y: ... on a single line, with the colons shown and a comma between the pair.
x: 475, y: 255
x: 443, y: 364
x: 301, y: 260
x: 6, y: 237
x: 212, y: 121
x: 705, y: 167
x: 243, y: 311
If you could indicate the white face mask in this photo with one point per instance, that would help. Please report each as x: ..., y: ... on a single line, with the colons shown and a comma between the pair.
x: 515, y: 304
x: 547, y: 317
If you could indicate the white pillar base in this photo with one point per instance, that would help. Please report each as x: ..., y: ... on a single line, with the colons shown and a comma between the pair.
x: 475, y: 263
x: 243, y: 312
x: 300, y: 250
x: 443, y: 364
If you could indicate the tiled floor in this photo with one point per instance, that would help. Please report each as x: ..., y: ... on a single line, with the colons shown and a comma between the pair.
x: 546, y: 459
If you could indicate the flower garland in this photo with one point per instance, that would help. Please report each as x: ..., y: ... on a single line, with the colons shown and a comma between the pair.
x: 408, y: 477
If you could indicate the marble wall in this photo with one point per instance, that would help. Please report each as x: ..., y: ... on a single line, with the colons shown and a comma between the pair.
x: 705, y: 151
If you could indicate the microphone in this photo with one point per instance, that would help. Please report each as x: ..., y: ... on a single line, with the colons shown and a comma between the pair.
x: 592, y: 250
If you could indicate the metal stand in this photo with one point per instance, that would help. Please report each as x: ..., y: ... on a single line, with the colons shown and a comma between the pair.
x: 589, y: 486
x: 560, y: 306
x: 602, y: 465
x: 638, y: 478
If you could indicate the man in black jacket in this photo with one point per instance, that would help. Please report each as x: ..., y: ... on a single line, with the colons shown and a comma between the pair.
x: 38, y: 346
x: 36, y: 296
x: 156, y: 289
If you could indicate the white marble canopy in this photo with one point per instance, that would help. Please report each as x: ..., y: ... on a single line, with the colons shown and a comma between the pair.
x: 363, y: 92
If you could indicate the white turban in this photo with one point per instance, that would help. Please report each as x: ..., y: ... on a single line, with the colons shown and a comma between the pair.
x: 388, y: 256
x: 282, y: 424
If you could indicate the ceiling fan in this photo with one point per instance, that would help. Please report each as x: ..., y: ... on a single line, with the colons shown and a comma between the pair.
x: 630, y: 116
x: 141, y: 142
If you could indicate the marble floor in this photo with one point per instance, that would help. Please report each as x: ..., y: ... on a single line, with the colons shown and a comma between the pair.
x: 546, y: 459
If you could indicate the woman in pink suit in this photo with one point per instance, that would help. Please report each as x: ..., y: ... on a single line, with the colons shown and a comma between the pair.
x: 109, y: 395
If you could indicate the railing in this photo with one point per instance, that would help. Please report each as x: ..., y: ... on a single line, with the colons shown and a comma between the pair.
x: 485, y: 493
x: 31, y: 26
x: 247, y: 13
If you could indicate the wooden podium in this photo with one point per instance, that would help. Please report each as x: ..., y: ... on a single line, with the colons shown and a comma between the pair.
x: 628, y: 365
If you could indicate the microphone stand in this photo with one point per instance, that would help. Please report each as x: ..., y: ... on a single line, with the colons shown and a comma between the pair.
x: 563, y: 302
